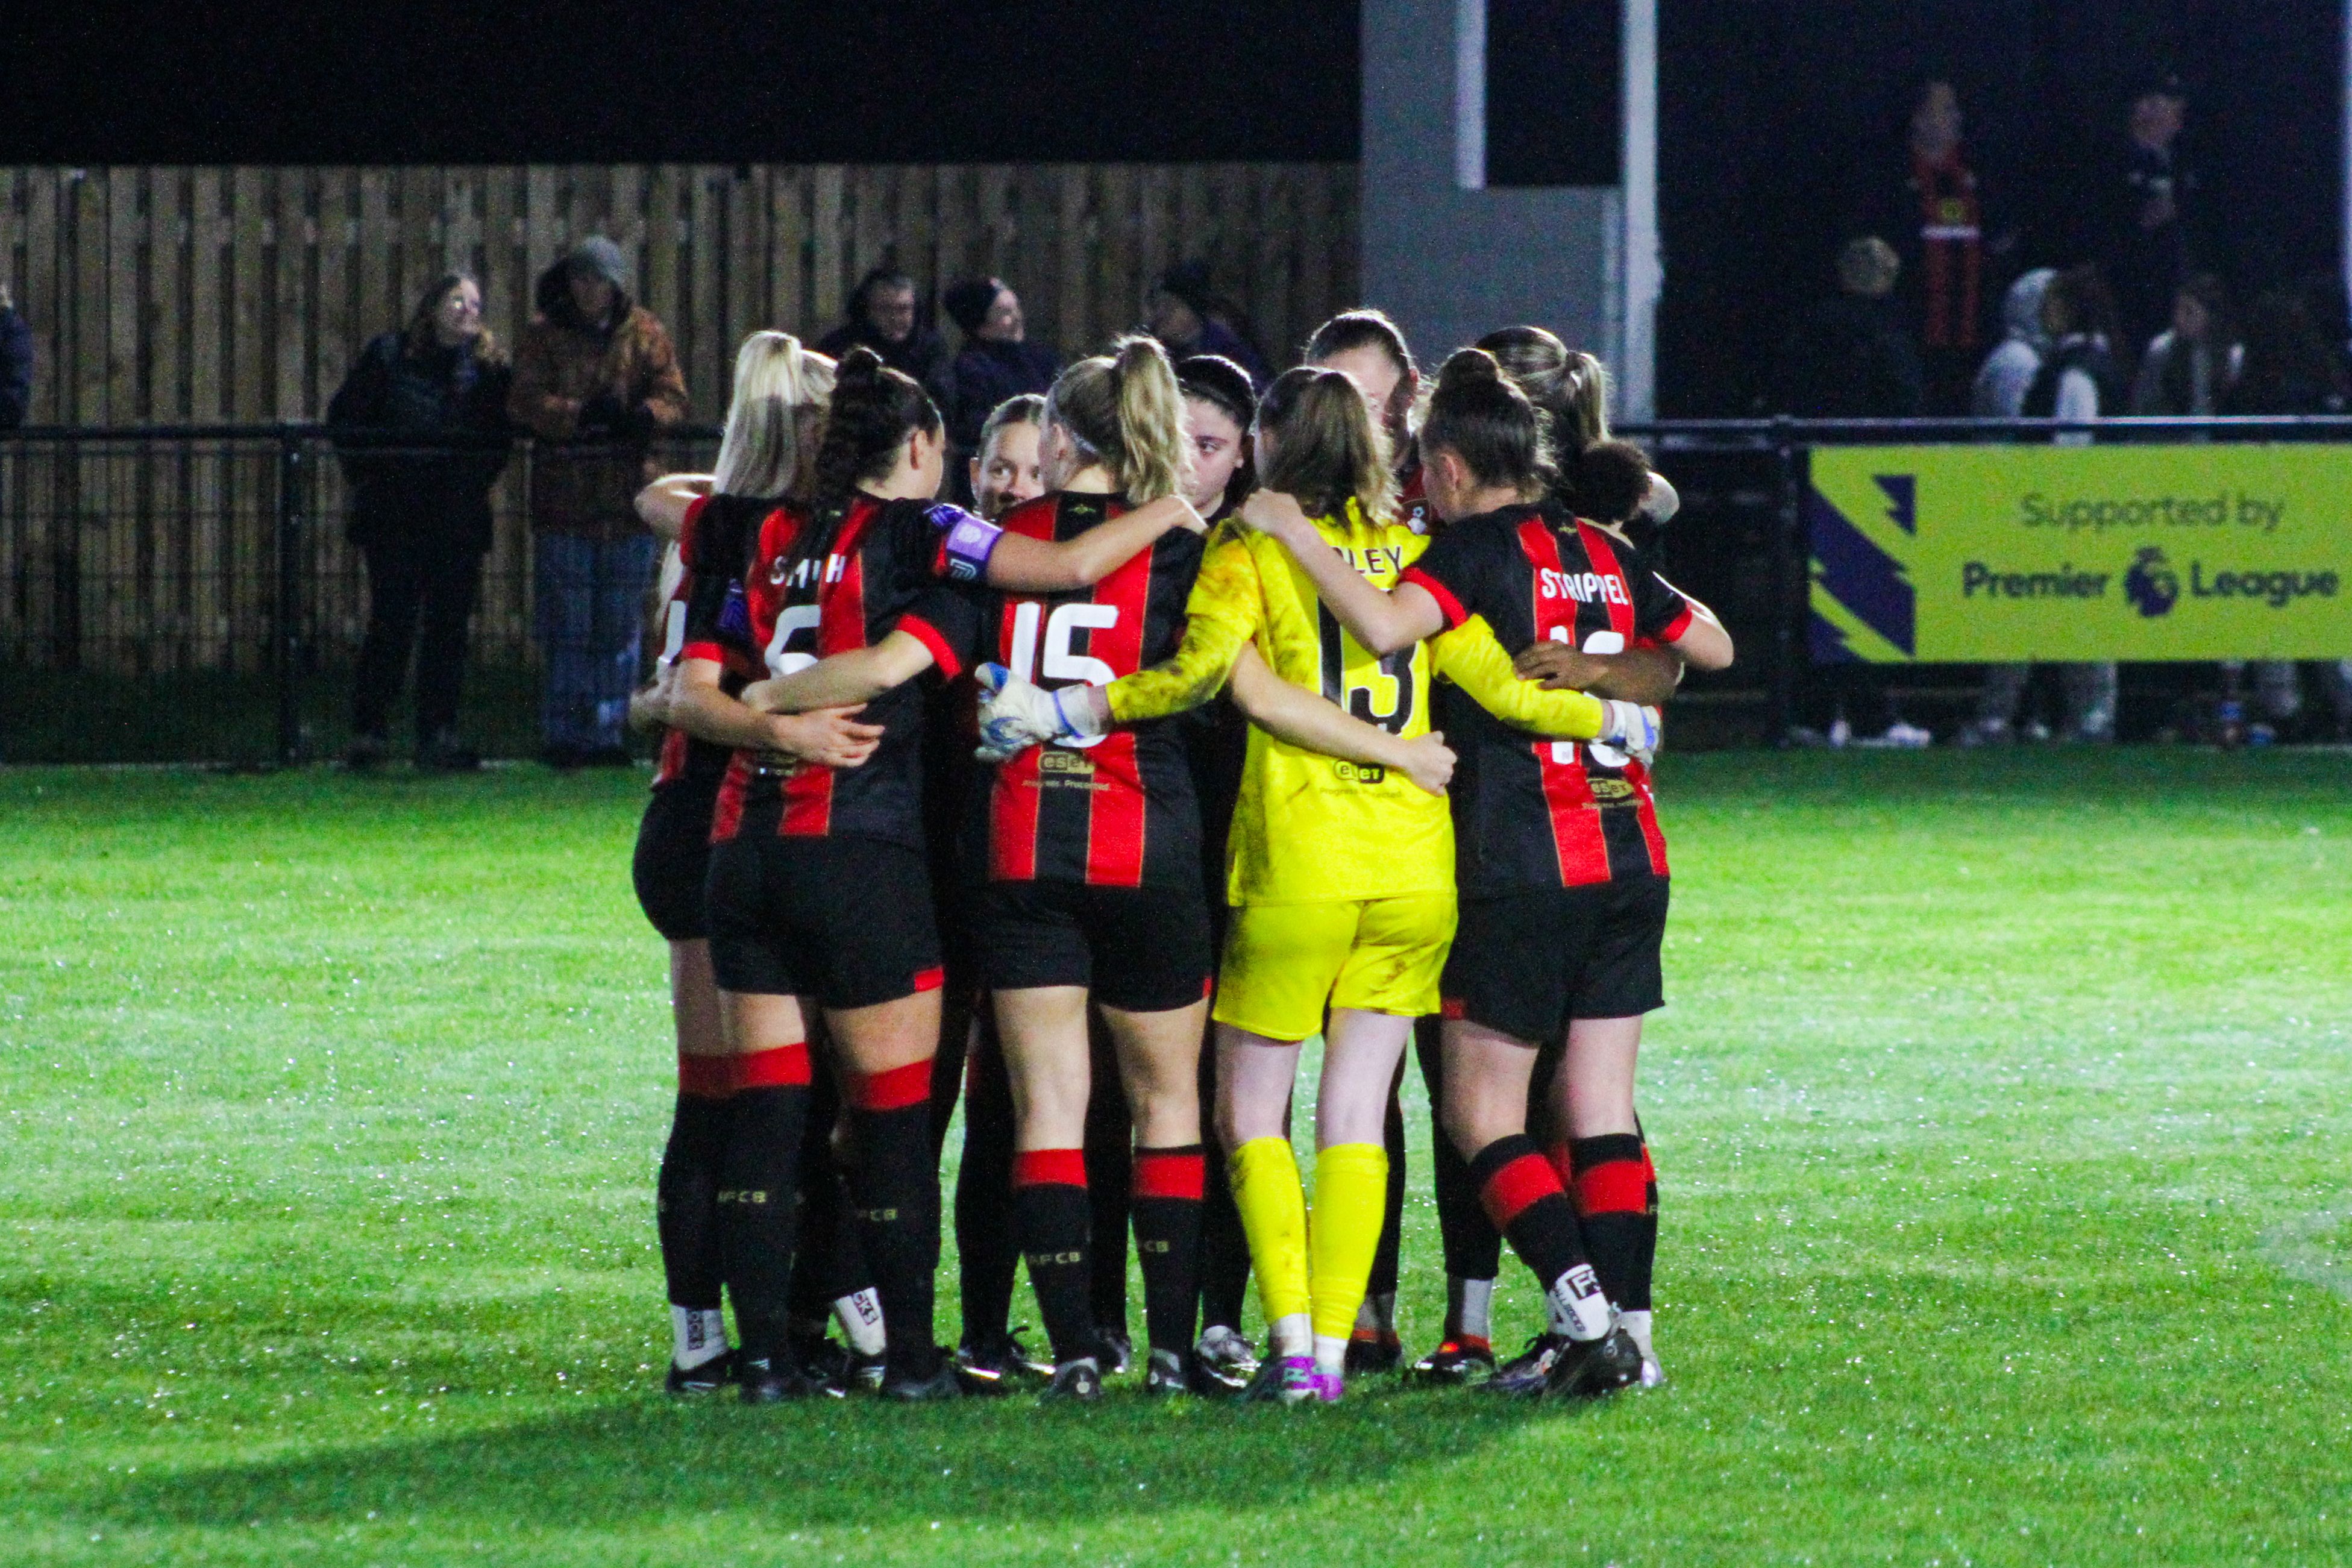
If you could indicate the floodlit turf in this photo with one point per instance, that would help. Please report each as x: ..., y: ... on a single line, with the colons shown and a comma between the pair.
x: 2004, y: 1118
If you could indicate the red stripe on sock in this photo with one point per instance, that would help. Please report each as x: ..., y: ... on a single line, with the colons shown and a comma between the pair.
x: 1617, y: 1187
x: 893, y: 1091
x: 1563, y: 1164
x: 783, y: 1066
x: 1509, y: 1190
x: 1050, y: 1168
x: 1166, y: 1175
x: 706, y: 1078
x: 1649, y: 1166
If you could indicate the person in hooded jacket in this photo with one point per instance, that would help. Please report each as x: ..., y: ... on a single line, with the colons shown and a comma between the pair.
x: 596, y: 377
x: 1187, y: 314
x: 420, y: 424
x: 2009, y: 369
x: 998, y: 360
x: 2073, y: 376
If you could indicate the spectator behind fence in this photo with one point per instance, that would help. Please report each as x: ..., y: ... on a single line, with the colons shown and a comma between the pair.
x: 1851, y: 356
x: 2287, y: 368
x: 998, y: 360
x: 884, y: 317
x: 2189, y: 366
x: 2150, y: 212
x: 1939, y: 222
x: 594, y: 377
x: 2008, y: 370
x: 2076, y: 379
x: 1188, y: 316
x: 15, y: 364
x: 420, y: 425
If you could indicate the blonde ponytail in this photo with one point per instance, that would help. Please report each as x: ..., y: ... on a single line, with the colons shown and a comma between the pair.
x: 1150, y: 421
x: 780, y: 386
x: 1127, y: 414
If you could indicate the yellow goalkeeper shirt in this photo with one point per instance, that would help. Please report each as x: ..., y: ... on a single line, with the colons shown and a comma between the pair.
x: 1311, y: 828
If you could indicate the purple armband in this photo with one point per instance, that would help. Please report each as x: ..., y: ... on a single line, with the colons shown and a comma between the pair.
x: 970, y: 541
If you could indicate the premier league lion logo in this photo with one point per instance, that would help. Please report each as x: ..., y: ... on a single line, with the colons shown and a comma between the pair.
x: 2150, y: 584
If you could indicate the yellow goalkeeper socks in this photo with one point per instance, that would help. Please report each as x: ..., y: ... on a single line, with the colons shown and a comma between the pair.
x: 1352, y: 1184
x: 1273, y: 1218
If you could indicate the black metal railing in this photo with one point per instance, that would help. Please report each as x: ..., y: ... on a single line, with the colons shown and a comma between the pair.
x: 191, y: 594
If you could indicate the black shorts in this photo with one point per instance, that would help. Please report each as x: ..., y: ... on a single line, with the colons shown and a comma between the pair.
x: 673, y: 856
x: 1140, y: 950
x: 846, y: 920
x: 1528, y: 960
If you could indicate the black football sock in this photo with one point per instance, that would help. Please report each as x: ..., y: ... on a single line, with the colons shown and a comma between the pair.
x: 1168, y: 1188
x: 1050, y: 1214
x: 1468, y: 1241
x: 1523, y: 1196
x: 1645, y: 1259
x: 987, y: 1257
x: 686, y: 1190
x: 759, y: 1192
x: 1224, y: 1250
x: 1109, y: 1132
x: 1611, y: 1195
x: 894, y: 1191
x: 947, y: 1065
x: 685, y: 1207
x: 830, y: 1264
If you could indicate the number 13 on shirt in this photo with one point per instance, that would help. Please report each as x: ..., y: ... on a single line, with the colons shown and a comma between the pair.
x: 1385, y: 698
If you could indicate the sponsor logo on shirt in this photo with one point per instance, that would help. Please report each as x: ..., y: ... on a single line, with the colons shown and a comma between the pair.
x: 1584, y: 587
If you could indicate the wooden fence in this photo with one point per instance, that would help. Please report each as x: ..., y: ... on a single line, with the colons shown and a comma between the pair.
x: 205, y: 296
x: 197, y: 295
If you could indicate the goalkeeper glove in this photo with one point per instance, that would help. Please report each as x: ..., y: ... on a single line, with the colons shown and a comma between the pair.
x: 1630, y: 727
x: 1015, y: 715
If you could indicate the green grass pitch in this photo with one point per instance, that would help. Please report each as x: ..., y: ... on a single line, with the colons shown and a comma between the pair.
x: 2003, y: 1114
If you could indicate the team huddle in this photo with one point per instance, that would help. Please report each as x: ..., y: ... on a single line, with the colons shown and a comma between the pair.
x: 1222, y: 721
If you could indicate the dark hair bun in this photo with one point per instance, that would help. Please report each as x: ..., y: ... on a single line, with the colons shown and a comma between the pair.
x: 860, y: 363
x: 1613, y: 477
x: 1465, y: 368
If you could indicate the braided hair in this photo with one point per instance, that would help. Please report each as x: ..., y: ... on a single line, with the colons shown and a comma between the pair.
x: 874, y: 411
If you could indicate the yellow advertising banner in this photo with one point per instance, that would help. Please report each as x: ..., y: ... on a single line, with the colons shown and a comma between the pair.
x: 1965, y: 554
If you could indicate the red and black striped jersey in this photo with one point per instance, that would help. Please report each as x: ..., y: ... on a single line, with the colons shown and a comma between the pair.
x: 715, y: 547
x: 1412, y: 497
x: 873, y: 577
x: 1117, y: 811
x: 1535, y: 812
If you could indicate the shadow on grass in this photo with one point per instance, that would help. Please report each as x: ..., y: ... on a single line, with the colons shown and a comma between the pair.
x: 832, y: 1463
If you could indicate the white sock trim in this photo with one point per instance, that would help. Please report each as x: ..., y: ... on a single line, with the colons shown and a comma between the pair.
x: 1330, y: 1352
x: 860, y: 1312
x: 1576, y: 1306
x: 696, y: 1334
x: 1293, y: 1333
x: 1476, y: 1309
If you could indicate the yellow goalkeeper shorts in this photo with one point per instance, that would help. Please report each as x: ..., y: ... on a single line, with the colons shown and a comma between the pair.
x: 1285, y: 964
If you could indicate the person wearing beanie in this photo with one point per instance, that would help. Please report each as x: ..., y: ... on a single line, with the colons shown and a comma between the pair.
x: 594, y: 378
x: 998, y: 360
x: 1190, y: 317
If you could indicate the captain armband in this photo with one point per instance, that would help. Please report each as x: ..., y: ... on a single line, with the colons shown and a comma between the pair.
x: 970, y: 541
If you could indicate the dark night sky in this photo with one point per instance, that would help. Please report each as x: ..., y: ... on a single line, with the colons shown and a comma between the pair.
x: 908, y: 80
